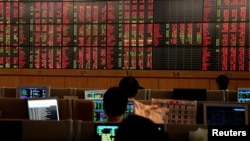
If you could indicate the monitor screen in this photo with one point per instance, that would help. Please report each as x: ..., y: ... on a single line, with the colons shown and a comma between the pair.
x: 190, y: 94
x: 243, y: 95
x: 94, y: 94
x: 43, y: 109
x: 130, y: 109
x: 25, y: 92
x: 225, y: 114
x: 105, y: 131
x: 99, y: 114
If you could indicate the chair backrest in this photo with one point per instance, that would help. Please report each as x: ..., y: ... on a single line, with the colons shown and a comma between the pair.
x: 216, y: 95
x: 8, y: 92
x: 160, y: 94
x: 82, y: 109
x: 61, y: 92
x: 44, y: 130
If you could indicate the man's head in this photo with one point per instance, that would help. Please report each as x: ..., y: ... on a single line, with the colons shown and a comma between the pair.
x: 129, y: 85
x: 222, y: 82
x: 114, y: 102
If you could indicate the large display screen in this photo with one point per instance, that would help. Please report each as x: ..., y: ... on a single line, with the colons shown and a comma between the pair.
x: 125, y: 34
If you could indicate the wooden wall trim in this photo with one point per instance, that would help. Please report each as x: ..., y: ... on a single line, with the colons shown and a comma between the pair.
x: 121, y: 73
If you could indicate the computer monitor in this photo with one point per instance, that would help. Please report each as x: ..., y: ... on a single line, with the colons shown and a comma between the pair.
x: 243, y: 95
x: 25, y: 92
x: 94, y: 94
x: 105, y: 131
x: 130, y: 109
x: 190, y: 94
x: 43, y: 109
x: 225, y: 113
x: 99, y: 113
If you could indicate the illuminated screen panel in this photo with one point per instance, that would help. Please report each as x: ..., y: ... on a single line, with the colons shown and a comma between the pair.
x: 105, y: 131
x: 43, y: 109
x: 127, y: 34
x: 94, y: 94
x: 99, y: 113
x: 243, y: 95
x: 225, y: 114
x: 32, y: 92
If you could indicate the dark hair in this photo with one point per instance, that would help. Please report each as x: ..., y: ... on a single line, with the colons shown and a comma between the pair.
x: 137, y: 128
x: 222, y: 82
x: 114, y: 102
x: 129, y: 85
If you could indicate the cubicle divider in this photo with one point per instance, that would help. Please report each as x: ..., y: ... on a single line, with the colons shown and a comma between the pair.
x: 173, y: 132
x: 76, y: 121
x: 70, y: 130
x: 79, y: 92
x: 8, y: 92
x: 232, y: 95
x: 143, y: 94
x: 82, y: 109
x: 160, y: 94
x: 49, y: 130
x: 216, y: 95
x: 36, y: 130
x: 181, y: 132
x: 61, y: 92
x: 75, y: 109
x: 211, y: 95
x: 14, y: 108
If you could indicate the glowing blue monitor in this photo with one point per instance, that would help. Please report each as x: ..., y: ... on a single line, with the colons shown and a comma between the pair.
x: 25, y: 92
x: 243, y: 95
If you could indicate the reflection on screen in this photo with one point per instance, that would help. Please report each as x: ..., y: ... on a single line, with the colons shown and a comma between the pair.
x: 43, y: 109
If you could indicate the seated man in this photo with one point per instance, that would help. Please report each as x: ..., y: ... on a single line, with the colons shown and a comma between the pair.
x: 114, y: 104
x: 130, y: 86
x: 222, y: 82
x: 138, y: 128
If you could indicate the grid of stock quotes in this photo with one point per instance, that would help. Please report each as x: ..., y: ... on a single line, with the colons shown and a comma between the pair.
x: 125, y: 34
